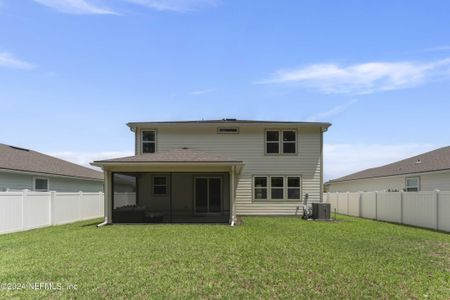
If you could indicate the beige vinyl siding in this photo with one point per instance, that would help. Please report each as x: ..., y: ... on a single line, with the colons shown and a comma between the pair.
x: 249, y: 147
x: 435, y: 181
x: 428, y: 182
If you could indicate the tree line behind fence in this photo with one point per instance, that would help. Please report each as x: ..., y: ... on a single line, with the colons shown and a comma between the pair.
x: 422, y: 209
x: 25, y: 210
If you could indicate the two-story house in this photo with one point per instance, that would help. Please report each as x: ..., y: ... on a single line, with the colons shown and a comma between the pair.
x: 214, y: 171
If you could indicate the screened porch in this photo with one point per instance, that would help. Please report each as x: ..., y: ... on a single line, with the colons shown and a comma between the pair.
x: 170, y: 197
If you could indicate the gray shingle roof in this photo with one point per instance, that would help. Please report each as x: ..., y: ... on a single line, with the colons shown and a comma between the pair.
x: 19, y: 159
x: 435, y: 160
x: 226, y: 121
x: 175, y: 155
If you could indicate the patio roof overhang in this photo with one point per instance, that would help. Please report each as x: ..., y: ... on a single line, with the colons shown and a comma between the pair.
x: 177, y: 159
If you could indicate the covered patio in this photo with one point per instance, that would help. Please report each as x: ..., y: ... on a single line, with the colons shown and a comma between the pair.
x: 177, y: 186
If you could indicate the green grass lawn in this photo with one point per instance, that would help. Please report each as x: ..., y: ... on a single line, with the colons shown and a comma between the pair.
x: 266, y: 257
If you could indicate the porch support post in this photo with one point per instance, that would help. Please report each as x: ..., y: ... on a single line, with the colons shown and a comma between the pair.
x: 108, y: 197
x: 232, y: 196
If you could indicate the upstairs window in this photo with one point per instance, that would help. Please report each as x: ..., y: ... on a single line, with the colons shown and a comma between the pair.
x: 281, y: 141
x: 41, y: 184
x: 272, y: 142
x: 149, y: 141
x: 413, y: 184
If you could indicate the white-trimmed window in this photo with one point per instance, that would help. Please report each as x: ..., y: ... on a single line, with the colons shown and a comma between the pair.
x: 281, y: 142
x: 149, y: 141
x: 40, y: 184
x: 260, y: 184
x: 277, y: 188
x: 413, y: 184
x: 160, y: 185
x: 293, y: 187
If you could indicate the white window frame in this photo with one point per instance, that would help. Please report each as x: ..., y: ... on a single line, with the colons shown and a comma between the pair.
x: 148, y: 142
x: 283, y: 188
x: 166, y: 185
x: 299, y: 188
x: 281, y: 142
x: 269, y: 188
x: 41, y: 178
x: 408, y: 187
x: 266, y: 188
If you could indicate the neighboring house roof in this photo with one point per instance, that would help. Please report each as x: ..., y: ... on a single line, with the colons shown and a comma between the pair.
x: 171, y: 156
x: 25, y: 160
x: 227, y: 122
x: 435, y: 160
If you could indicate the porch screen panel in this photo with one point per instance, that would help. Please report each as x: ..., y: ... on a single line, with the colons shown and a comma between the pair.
x: 125, y: 201
x: 215, y: 190
x: 201, y: 194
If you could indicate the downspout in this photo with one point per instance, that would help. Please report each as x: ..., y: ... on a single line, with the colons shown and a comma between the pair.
x: 106, y: 199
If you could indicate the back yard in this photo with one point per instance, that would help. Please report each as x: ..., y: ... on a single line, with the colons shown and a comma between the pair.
x: 279, y: 257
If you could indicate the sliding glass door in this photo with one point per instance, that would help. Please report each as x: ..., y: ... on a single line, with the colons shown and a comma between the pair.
x: 208, y: 194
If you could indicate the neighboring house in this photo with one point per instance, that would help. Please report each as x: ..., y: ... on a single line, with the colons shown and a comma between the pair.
x: 213, y: 171
x: 24, y: 169
x: 425, y: 172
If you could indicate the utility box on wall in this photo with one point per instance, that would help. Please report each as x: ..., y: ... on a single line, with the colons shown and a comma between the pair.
x: 321, y: 211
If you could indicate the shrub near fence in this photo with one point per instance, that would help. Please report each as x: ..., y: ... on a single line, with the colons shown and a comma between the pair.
x: 26, y: 210
x: 422, y: 209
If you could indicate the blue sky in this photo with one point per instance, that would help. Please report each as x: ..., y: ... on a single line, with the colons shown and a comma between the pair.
x: 73, y: 72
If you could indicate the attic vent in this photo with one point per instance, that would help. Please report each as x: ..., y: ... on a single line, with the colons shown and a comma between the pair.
x: 229, y: 130
x: 418, y: 161
x: 21, y: 149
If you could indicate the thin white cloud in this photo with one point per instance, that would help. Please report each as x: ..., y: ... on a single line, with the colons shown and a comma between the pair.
x: 85, y: 158
x: 176, y: 5
x: 201, y: 92
x: 80, y: 7
x: 345, y: 159
x: 363, y: 78
x: 332, y: 112
x: 435, y: 49
x: 8, y: 60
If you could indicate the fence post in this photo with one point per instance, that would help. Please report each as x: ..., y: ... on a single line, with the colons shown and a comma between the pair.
x: 360, y: 205
x: 50, y: 207
x: 337, y: 201
x: 376, y: 205
x: 100, y: 203
x: 401, y: 207
x: 23, y: 209
x: 348, y: 204
x: 436, y: 198
x: 80, y: 198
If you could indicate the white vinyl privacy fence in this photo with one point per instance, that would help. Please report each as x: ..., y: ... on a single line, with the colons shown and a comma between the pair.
x: 422, y: 209
x: 27, y: 210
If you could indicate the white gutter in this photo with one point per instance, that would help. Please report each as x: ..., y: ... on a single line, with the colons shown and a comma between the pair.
x: 133, y: 126
x: 168, y: 163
